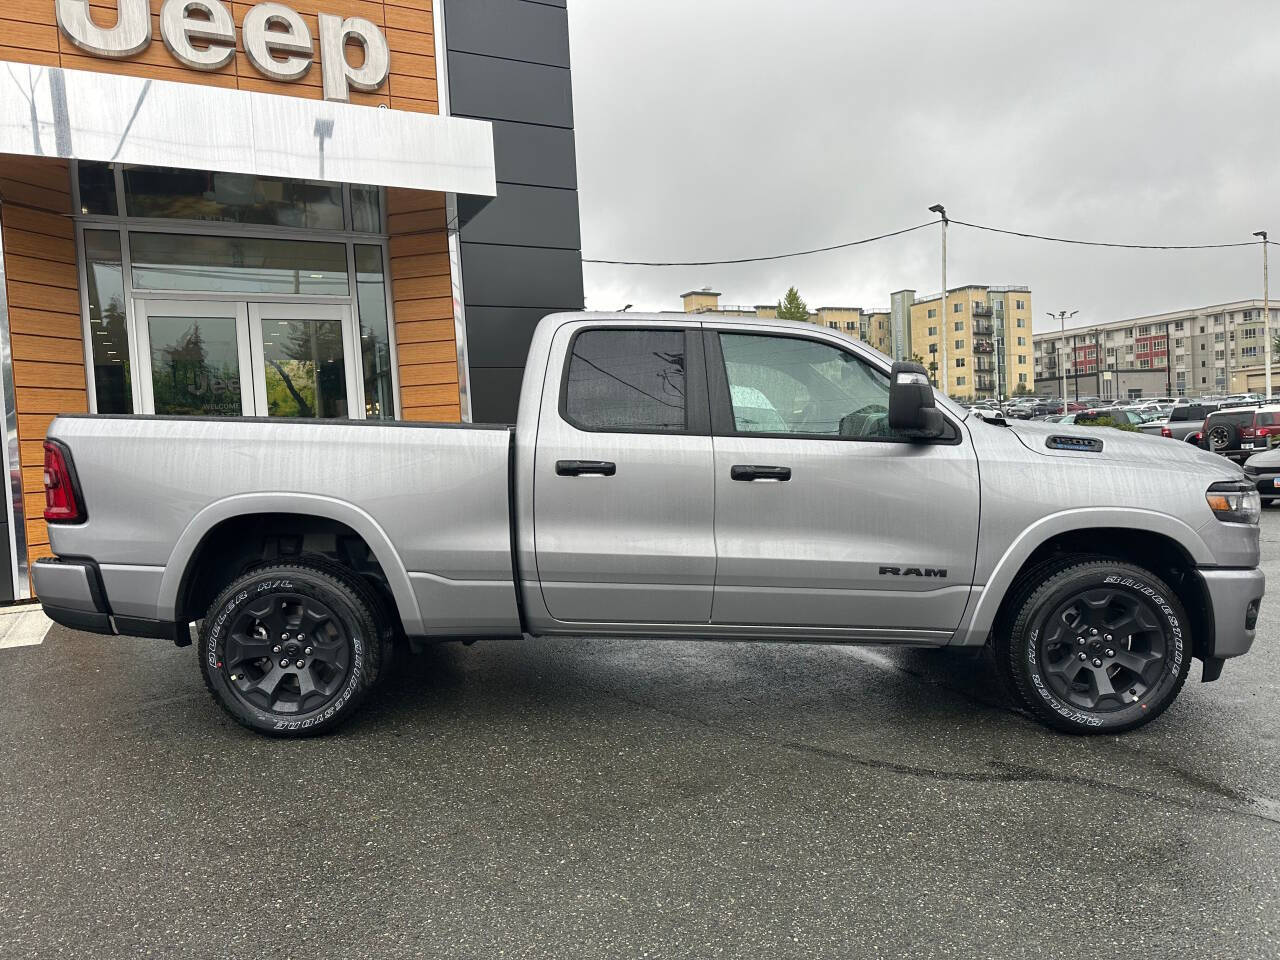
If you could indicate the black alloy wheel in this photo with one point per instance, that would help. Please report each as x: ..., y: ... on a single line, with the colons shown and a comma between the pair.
x: 1221, y: 436
x: 291, y: 649
x: 286, y: 653
x: 1103, y: 649
x: 1093, y: 645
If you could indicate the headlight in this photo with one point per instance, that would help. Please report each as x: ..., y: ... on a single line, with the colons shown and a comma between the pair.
x: 1234, y: 502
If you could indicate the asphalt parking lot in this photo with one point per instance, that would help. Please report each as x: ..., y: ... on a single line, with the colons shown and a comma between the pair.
x: 623, y: 799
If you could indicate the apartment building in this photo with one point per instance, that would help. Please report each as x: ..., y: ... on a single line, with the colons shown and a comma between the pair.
x: 989, y: 333
x: 1217, y: 349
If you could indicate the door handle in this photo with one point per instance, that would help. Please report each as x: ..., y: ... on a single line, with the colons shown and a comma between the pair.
x: 748, y: 472
x: 585, y: 468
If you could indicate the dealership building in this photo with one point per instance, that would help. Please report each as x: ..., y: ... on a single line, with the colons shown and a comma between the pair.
x: 325, y: 208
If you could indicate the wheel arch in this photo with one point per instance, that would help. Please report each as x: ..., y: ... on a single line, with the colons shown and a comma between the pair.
x: 1159, y: 542
x: 178, y: 588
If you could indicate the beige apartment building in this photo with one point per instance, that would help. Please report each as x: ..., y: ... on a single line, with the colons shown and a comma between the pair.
x: 988, y: 333
x: 1200, y: 351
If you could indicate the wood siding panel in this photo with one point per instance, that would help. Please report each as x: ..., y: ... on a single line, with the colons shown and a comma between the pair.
x: 44, y: 316
x: 422, y: 295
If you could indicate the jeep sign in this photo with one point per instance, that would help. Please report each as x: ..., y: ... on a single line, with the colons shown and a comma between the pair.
x: 201, y: 34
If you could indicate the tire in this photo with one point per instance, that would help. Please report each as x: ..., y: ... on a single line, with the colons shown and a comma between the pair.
x: 1123, y: 682
x: 1223, y: 437
x: 327, y: 619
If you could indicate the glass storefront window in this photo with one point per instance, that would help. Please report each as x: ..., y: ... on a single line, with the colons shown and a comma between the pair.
x: 108, y: 330
x: 305, y: 373
x: 375, y: 339
x: 366, y: 209
x: 195, y: 366
x: 231, y: 198
x: 97, y: 184
x: 167, y: 261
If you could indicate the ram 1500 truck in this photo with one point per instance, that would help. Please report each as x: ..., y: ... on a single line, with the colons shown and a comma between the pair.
x: 674, y: 477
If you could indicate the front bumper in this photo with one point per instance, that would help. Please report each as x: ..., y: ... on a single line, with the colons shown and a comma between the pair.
x: 71, y: 593
x: 1234, y: 598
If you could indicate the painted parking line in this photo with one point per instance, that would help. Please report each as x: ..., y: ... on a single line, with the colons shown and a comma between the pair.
x: 23, y: 628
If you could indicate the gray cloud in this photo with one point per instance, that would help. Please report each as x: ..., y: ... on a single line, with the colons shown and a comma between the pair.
x: 714, y: 128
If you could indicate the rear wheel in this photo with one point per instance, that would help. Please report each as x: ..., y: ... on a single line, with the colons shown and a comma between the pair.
x: 292, y: 649
x: 1095, y: 646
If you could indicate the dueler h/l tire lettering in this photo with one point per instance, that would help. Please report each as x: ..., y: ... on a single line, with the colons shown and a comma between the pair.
x: 1094, y: 645
x: 292, y: 649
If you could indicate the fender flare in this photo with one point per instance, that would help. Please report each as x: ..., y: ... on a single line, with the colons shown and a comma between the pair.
x: 303, y: 504
x: 973, y: 631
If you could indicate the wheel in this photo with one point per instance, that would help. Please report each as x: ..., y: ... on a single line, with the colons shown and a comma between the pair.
x: 1095, y: 646
x: 292, y: 649
x: 1222, y: 436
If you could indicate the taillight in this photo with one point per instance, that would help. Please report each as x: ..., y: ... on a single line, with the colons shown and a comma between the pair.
x: 61, y: 504
x: 1166, y: 432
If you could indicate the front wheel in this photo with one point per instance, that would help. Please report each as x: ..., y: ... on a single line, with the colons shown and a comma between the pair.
x: 1097, y: 646
x: 292, y: 649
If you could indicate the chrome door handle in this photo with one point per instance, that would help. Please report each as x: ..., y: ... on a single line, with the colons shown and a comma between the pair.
x: 749, y: 472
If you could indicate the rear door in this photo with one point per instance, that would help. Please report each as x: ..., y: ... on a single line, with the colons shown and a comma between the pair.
x: 623, y: 487
x: 824, y: 516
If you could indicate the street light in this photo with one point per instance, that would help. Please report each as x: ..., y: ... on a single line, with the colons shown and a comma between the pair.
x: 1061, y: 316
x: 941, y: 211
x: 1266, y: 312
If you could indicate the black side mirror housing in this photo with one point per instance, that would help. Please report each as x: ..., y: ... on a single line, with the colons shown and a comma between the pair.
x: 911, y: 406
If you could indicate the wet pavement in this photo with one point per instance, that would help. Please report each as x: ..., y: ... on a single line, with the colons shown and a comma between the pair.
x: 633, y: 799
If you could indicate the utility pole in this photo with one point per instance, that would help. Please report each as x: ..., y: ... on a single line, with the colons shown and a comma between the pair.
x: 943, y: 329
x: 1061, y: 317
x: 1266, y: 310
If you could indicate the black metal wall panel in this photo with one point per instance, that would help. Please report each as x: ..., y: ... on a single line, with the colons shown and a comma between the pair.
x: 523, y: 216
x: 533, y: 154
x: 496, y: 89
x: 532, y: 32
x: 508, y: 62
x: 510, y: 276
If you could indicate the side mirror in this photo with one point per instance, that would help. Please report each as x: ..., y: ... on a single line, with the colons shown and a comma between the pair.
x: 911, y: 407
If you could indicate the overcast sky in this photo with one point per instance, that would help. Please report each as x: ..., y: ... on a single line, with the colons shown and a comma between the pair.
x: 725, y: 128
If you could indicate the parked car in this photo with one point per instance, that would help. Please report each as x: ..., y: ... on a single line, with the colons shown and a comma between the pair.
x: 1103, y: 415
x: 664, y: 477
x: 1182, y: 421
x: 1238, y: 432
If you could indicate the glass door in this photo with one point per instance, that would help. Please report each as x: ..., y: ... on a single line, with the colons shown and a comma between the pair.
x: 304, y: 360
x: 193, y: 358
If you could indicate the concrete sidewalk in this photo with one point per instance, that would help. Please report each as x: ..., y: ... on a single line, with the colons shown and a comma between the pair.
x: 23, y: 626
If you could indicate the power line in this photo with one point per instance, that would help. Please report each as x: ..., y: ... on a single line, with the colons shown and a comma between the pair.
x: 921, y: 226
x: 1101, y: 243
x: 774, y: 256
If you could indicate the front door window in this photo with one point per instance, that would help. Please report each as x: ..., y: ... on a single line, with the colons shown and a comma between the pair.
x: 193, y: 358
x: 306, y: 367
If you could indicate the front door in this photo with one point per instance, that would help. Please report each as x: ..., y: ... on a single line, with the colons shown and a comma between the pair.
x: 194, y: 358
x: 231, y: 358
x: 623, y: 492
x: 825, y: 517
x: 304, y: 360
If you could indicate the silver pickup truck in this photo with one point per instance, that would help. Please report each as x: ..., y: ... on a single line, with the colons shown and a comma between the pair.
x: 666, y: 477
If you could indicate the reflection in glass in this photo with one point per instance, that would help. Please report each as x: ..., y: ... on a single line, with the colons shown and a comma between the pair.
x: 366, y: 208
x: 231, y: 198
x: 168, y: 261
x: 305, y: 372
x: 375, y: 342
x: 97, y: 182
x: 108, y: 331
x: 195, y: 366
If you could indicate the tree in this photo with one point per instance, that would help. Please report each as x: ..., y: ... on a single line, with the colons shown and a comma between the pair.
x: 793, y: 307
x: 1021, y: 390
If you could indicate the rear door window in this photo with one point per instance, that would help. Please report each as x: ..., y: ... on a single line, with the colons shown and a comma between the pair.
x: 627, y: 381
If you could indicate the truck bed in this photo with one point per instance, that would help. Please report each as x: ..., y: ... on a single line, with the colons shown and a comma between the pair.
x: 430, y: 500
